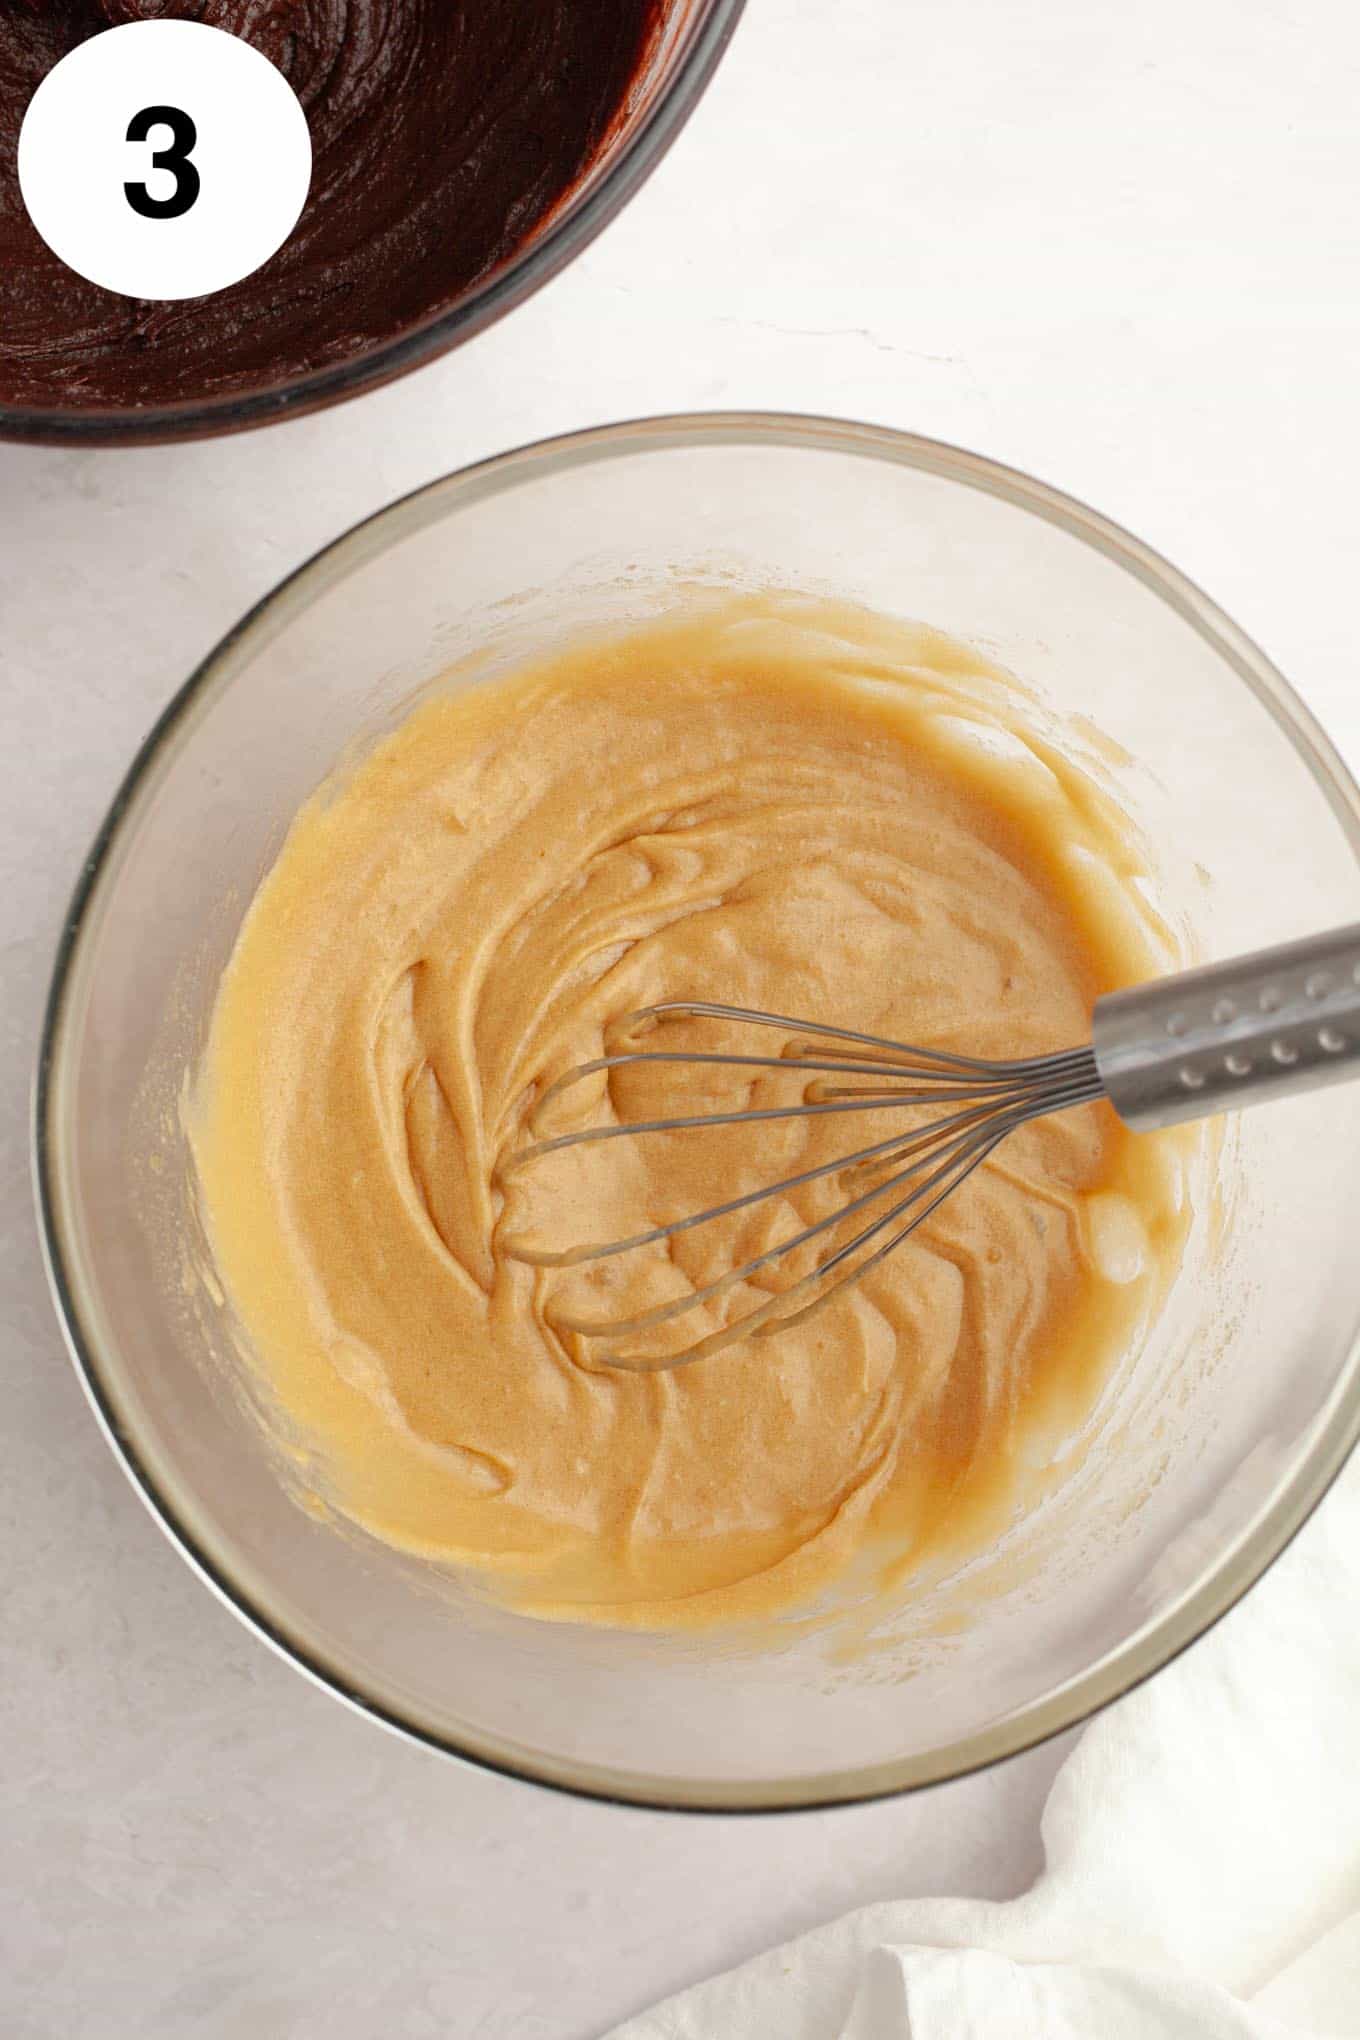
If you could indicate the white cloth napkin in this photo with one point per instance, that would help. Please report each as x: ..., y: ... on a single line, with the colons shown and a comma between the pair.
x: 1202, y: 1846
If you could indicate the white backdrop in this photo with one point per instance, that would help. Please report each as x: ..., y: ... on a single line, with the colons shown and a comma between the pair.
x: 1114, y: 246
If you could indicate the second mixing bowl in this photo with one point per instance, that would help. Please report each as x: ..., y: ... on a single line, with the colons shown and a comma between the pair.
x: 350, y: 266
x: 1213, y: 1441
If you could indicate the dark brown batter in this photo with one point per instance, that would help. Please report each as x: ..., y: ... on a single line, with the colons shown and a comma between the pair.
x: 443, y: 133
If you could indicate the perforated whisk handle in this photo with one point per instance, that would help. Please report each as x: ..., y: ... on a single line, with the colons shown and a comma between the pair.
x: 1271, y: 1025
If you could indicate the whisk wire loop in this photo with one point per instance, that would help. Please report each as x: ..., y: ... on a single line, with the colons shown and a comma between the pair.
x: 927, y: 1164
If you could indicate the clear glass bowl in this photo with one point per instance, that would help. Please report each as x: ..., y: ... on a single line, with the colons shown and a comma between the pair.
x: 695, y: 35
x: 1216, y: 1439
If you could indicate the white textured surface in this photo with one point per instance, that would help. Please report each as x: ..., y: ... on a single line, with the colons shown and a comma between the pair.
x: 1113, y: 246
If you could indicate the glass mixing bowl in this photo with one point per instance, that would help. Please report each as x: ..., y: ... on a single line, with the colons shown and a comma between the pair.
x: 1213, y: 1441
x: 695, y: 35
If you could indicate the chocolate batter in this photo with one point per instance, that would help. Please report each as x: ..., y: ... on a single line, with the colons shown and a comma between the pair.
x: 444, y: 132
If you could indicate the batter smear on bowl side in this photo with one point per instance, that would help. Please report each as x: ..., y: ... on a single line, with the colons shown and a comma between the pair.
x: 767, y: 802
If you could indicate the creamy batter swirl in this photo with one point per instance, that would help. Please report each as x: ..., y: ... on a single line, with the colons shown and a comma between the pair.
x: 767, y: 804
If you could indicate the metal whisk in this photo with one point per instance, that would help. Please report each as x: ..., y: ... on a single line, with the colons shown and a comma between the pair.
x: 1276, y: 1023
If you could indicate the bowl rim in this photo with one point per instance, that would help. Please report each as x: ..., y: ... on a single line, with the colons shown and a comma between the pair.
x: 1156, y: 1642
x: 568, y: 232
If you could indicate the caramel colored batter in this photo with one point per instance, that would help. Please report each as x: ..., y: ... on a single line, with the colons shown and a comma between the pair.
x: 765, y: 803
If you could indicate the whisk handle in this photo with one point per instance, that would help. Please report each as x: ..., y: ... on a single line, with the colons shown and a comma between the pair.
x: 1271, y: 1025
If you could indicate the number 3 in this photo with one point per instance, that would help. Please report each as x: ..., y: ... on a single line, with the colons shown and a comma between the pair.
x: 183, y: 135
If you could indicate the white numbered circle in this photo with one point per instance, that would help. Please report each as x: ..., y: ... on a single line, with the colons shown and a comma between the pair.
x: 164, y: 159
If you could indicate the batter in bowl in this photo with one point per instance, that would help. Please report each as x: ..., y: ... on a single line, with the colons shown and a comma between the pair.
x: 444, y: 136
x: 766, y: 802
